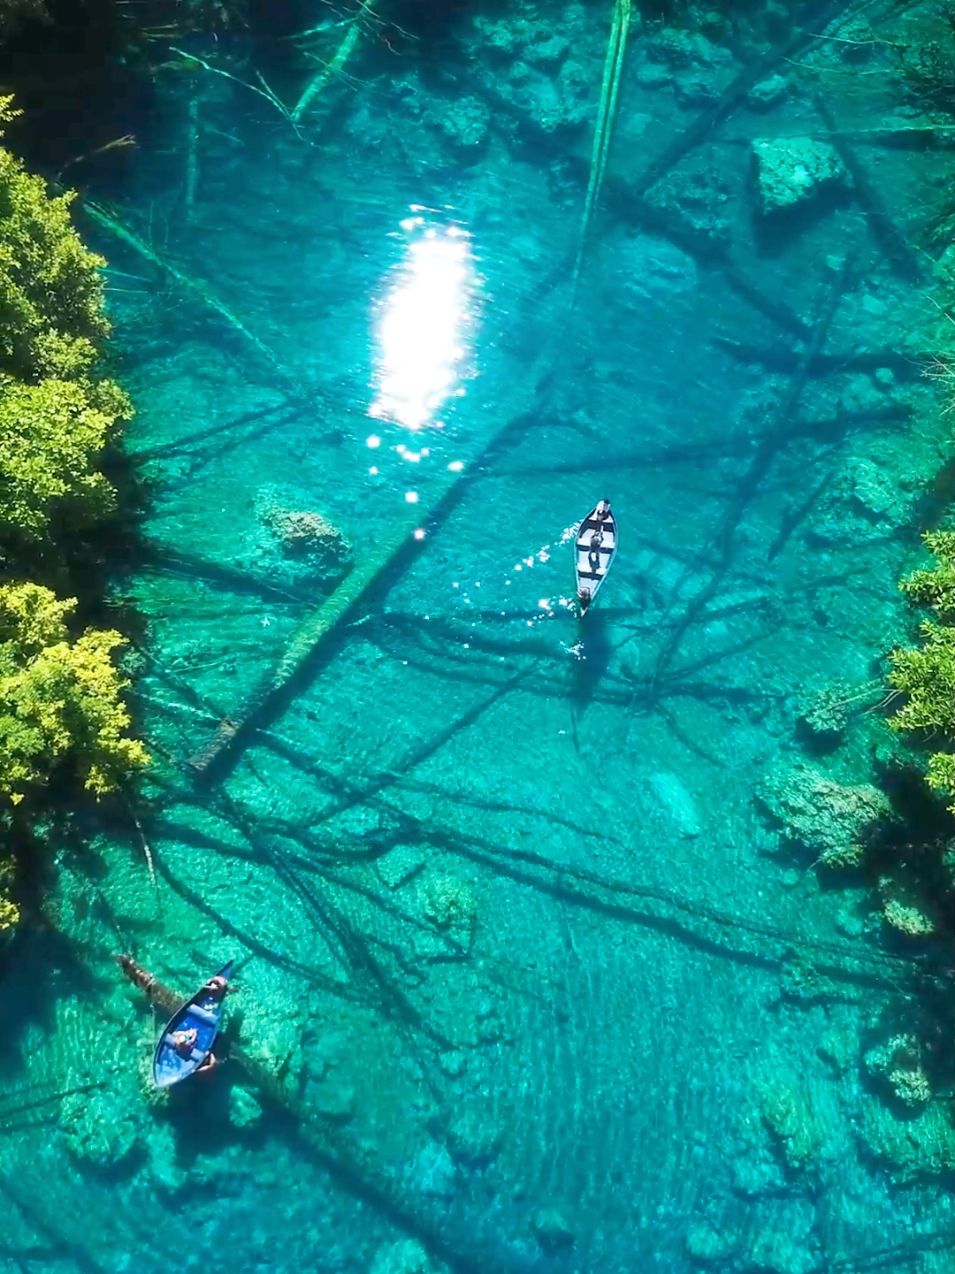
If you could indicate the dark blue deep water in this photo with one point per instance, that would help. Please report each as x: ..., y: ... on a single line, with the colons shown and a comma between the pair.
x: 530, y: 978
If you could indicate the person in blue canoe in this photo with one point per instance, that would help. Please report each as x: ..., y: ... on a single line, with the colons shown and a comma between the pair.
x: 184, y: 1040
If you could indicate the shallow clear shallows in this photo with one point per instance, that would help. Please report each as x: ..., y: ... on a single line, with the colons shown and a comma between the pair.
x: 526, y: 980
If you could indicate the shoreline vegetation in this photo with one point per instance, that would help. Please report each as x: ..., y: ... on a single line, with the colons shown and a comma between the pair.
x: 64, y: 723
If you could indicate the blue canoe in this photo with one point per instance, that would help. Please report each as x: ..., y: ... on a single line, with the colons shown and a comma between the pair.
x: 171, y: 1064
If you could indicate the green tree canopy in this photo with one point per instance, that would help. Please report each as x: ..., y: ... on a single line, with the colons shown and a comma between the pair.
x: 51, y: 292
x: 51, y: 437
x: 60, y: 700
x: 926, y: 674
x: 62, y: 714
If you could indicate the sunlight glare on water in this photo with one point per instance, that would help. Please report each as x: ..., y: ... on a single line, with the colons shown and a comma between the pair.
x: 424, y: 325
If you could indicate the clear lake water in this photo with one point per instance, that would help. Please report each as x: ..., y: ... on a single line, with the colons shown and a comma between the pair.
x: 536, y: 984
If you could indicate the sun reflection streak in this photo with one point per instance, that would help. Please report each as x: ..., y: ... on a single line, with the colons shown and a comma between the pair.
x: 424, y: 325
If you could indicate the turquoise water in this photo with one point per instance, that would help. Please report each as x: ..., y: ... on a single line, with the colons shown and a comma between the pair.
x: 534, y: 981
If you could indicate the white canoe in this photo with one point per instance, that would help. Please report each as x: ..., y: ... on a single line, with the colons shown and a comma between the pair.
x: 594, y: 552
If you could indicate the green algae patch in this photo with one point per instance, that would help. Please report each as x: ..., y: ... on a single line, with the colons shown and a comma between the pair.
x: 911, y: 1149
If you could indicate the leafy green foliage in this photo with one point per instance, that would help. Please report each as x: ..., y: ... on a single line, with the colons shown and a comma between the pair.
x: 941, y: 772
x: 935, y: 587
x: 51, y: 292
x: 60, y: 701
x: 926, y: 674
x: 51, y: 437
x: 62, y: 714
x: 55, y: 418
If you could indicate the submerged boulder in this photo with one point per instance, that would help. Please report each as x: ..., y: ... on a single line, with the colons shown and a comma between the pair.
x: 767, y: 93
x: 293, y: 543
x: 407, y: 1256
x: 832, y: 820
x: 98, y: 1127
x: 464, y: 121
x: 795, y: 170
x: 551, y: 1230
x: 305, y: 533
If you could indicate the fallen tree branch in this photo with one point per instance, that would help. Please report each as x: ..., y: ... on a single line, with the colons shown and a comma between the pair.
x: 329, y: 69
x: 193, y: 286
x: 890, y: 239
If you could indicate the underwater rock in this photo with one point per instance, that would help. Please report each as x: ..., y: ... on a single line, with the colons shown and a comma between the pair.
x: 676, y: 800
x: 688, y: 61
x: 164, y: 1169
x: 823, y: 710
x: 756, y: 1176
x: 787, y: 1114
x: 850, y: 923
x: 300, y: 541
x: 777, y: 1253
x: 795, y: 170
x: 447, y: 903
x: 680, y: 50
x: 897, y: 1064
x: 546, y: 87
x: 499, y: 35
x: 405, y: 1257
x: 837, y: 1051
x: 873, y: 491
x: 276, y: 1024
x: 830, y: 819
x: 704, y: 1243
x: 308, y: 534
x: 551, y: 1230
x: 901, y: 912
x: 98, y: 1128
x: 912, y: 1148
x: 453, y: 1063
x: 703, y: 201
x: 464, y: 121
x: 767, y: 93
x: 694, y: 91
x: 551, y: 49
x: 244, y: 1107
x: 432, y: 1172
x: 860, y: 504
x: 653, y: 75
x: 800, y: 982
x: 332, y: 1099
x: 474, y: 1139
